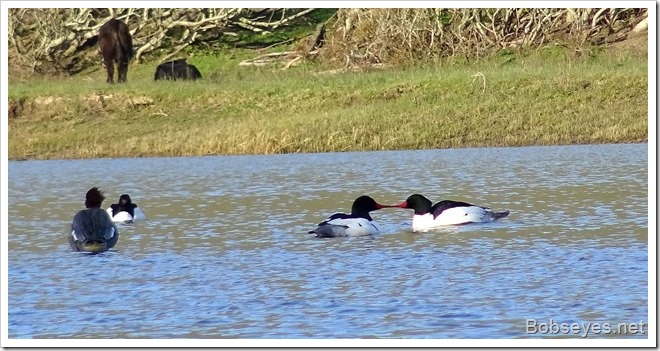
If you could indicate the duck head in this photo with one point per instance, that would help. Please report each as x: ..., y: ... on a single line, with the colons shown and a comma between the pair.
x: 94, y: 198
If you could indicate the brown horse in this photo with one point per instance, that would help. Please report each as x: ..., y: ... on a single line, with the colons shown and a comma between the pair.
x: 116, y: 45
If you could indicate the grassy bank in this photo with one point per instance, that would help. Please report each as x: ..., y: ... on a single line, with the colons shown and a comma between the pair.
x: 547, y: 98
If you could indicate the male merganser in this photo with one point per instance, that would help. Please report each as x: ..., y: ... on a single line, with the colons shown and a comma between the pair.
x: 125, y: 211
x: 92, y: 230
x: 447, y: 212
x: 358, y: 223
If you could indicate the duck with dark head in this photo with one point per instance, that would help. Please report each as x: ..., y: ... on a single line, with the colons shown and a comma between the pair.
x: 447, y: 212
x: 92, y: 229
x: 125, y: 210
x: 357, y: 223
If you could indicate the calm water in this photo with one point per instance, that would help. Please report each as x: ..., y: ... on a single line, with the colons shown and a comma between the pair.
x: 225, y: 253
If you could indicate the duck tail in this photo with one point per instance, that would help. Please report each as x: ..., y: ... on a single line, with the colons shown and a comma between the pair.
x: 498, y: 215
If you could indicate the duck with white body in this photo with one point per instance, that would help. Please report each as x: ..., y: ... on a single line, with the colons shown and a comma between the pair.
x: 357, y: 223
x: 447, y: 212
x: 125, y: 211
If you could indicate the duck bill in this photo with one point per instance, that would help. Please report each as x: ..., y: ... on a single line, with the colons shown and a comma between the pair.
x: 402, y: 205
x: 379, y: 206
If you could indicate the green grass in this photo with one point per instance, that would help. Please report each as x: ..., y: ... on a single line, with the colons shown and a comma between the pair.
x: 291, y: 32
x: 533, y: 100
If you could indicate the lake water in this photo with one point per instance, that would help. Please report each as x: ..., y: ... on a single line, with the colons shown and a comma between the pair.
x: 225, y: 253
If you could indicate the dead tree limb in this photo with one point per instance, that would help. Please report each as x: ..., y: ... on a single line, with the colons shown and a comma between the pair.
x: 54, y: 37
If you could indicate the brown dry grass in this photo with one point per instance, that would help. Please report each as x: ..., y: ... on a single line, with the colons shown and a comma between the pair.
x: 410, y: 36
x: 526, y: 101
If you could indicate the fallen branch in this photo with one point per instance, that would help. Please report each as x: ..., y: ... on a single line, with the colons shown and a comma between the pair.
x: 483, y: 79
x: 56, y: 37
x: 267, y: 59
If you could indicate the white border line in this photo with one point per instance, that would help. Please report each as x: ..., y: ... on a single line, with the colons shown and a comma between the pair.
x: 578, y: 342
x: 4, y: 154
x: 652, y: 174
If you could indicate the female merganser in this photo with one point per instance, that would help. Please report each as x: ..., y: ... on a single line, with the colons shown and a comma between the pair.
x: 92, y: 230
x: 358, y: 223
x: 447, y: 212
x: 125, y: 211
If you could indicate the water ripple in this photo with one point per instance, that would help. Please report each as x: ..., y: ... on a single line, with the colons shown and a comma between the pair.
x: 225, y: 251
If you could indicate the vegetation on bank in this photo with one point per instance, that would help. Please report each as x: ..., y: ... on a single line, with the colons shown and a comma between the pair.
x: 45, y: 41
x: 332, y: 80
x: 550, y: 97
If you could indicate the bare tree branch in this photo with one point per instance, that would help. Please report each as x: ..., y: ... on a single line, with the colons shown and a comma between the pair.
x: 57, y: 36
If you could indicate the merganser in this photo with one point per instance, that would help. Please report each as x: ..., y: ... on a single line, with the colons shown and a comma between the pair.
x: 447, y: 212
x: 92, y: 230
x: 125, y: 211
x: 358, y: 223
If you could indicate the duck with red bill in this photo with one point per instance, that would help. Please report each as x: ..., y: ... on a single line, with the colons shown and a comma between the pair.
x: 447, y: 212
x: 357, y: 223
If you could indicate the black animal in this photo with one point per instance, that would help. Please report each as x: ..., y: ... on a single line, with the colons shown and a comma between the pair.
x: 116, y: 46
x: 177, y: 69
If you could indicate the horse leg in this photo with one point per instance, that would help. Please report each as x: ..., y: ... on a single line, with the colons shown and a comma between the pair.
x: 109, y: 66
x: 122, y: 70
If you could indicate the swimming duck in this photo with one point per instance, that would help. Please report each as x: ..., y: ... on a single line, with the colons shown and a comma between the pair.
x: 357, y: 223
x: 91, y: 229
x: 447, y: 212
x: 125, y: 211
